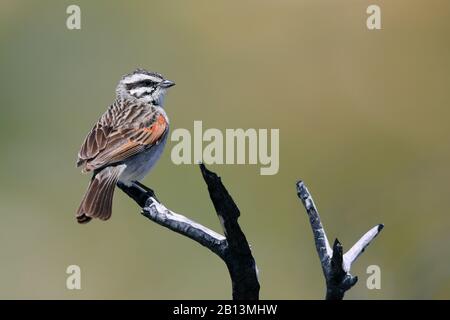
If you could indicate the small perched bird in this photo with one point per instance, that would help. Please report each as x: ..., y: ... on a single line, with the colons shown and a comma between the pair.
x: 126, y: 141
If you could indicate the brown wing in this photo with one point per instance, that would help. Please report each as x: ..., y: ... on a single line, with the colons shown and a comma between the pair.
x: 121, y: 132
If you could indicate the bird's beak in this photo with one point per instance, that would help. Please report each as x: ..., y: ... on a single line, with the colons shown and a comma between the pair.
x: 166, y: 84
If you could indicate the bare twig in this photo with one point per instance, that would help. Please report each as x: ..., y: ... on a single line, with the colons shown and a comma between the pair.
x: 335, y: 265
x: 238, y: 256
x: 233, y: 249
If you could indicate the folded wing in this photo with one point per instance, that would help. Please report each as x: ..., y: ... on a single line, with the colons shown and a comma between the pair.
x: 121, y: 133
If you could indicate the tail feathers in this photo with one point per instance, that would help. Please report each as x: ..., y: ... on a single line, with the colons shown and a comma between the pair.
x: 97, y: 201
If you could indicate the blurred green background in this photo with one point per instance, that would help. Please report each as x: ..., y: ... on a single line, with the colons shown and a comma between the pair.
x: 363, y: 118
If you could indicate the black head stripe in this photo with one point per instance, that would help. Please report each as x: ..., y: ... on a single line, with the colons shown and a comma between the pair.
x: 139, y: 84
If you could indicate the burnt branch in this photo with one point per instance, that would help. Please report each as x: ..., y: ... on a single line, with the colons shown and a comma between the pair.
x: 233, y: 248
x: 335, y: 265
x: 237, y: 256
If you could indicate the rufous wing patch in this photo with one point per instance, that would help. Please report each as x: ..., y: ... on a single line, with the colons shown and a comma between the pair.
x: 124, y: 143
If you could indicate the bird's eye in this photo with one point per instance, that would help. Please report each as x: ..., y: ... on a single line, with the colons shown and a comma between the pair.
x: 147, y: 83
x: 140, y: 84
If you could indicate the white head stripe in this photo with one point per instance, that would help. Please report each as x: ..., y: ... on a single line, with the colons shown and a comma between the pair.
x: 139, y: 77
x: 140, y: 91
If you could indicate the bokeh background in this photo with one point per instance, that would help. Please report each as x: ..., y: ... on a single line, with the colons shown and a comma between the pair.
x: 363, y: 118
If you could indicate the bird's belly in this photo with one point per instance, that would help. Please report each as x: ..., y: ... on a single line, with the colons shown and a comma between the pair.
x: 139, y: 165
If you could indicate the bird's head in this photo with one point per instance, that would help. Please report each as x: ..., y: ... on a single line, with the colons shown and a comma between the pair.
x: 144, y: 86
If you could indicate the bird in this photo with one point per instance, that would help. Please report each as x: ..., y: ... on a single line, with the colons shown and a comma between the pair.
x: 126, y: 141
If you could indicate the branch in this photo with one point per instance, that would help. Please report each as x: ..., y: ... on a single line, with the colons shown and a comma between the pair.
x: 233, y: 249
x: 335, y: 265
x: 157, y: 212
x: 238, y: 256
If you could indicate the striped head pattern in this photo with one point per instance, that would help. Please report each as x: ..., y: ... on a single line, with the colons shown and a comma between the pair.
x: 145, y: 86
